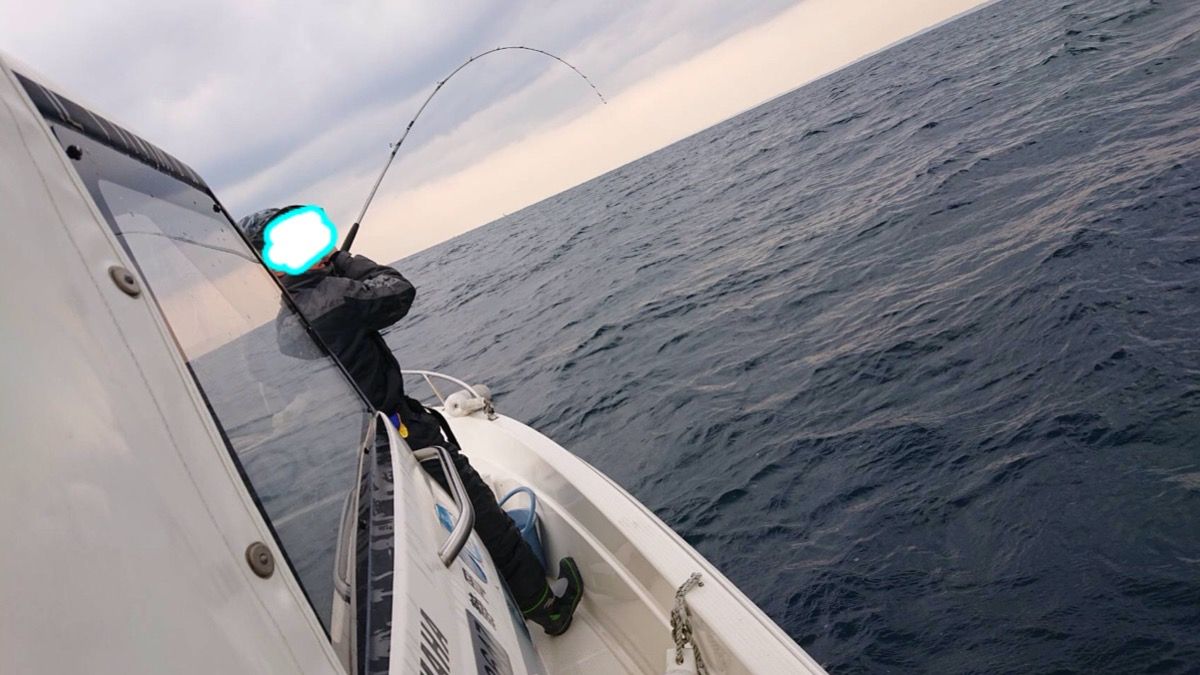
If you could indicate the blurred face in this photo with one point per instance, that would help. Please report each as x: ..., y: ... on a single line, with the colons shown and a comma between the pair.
x: 298, y: 239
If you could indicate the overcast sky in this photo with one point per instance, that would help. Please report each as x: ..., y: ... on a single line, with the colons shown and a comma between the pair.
x: 296, y: 102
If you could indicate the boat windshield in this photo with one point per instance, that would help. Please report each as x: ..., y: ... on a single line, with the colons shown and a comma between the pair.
x: 289, y: 414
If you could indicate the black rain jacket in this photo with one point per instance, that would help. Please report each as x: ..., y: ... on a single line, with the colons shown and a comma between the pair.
x: 348, y: 302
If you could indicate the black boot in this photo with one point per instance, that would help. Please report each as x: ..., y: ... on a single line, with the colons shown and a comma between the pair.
x: 554, y: 613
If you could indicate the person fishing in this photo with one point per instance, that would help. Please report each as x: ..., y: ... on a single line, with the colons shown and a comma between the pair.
x: 348, y: 299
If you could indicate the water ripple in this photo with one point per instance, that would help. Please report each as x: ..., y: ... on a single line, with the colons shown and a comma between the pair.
x: 910, y: 353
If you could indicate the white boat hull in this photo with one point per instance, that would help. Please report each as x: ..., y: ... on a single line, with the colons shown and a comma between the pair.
x: 633, y: 563
x: 136, y: 544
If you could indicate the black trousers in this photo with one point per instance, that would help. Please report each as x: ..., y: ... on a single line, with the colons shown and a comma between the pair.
x: 521, y: 569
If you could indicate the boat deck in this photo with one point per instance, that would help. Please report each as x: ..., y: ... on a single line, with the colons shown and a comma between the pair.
x: 585, y: 648
x: 632, y: 565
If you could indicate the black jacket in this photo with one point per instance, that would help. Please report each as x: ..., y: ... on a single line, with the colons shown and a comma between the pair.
x: 348, y: 302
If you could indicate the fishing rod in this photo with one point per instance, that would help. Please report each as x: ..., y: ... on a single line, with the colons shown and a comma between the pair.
x: 396, y: 146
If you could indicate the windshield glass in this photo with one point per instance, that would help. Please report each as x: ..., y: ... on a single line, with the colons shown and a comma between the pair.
x: 291, y: 417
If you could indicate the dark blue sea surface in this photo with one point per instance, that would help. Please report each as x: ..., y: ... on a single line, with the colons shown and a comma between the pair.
x: 910, y: 353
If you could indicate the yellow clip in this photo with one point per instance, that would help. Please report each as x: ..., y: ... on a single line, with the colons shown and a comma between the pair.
x: 403, y: 430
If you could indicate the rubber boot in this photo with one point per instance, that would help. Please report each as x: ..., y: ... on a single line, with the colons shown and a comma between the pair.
x: 554, y: 613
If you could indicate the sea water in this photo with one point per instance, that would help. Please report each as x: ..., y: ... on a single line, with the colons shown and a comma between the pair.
x: 911, y: 353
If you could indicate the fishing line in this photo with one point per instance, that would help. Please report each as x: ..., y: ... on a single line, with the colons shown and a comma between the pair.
x: 396, y: 146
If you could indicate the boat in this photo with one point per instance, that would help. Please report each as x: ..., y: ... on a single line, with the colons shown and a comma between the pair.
x: 185, y: 489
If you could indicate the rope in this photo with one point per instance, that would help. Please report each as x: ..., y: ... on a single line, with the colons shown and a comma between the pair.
x: 396, y: 146
x: 681, y: 623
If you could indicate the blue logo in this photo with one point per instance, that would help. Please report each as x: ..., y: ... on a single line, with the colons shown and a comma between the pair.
x: 444, y: 518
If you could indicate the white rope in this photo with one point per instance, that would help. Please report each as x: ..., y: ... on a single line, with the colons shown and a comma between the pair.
x: 681, y: 623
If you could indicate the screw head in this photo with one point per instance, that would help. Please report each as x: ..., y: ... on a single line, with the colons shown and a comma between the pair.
x: 261, y: 560
x: 125, y: 281
x: 74, y: 152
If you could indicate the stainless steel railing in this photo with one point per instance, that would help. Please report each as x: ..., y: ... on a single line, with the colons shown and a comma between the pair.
x: 430, y: 376
x: 461, y: 530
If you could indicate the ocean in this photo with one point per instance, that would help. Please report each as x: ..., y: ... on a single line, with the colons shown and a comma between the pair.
x: 910, y: 353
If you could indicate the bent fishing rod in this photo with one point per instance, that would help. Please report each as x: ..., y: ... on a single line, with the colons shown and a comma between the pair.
x: 396, y: 146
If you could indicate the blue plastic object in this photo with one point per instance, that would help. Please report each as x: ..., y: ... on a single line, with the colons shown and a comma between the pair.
x: 527, y: 522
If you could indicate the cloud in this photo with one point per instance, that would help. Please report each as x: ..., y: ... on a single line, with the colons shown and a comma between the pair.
x: 221, y: 83
x: 495, y: 102
x: 795, y: 47
x: 238, y: 89
x: 285, y: 102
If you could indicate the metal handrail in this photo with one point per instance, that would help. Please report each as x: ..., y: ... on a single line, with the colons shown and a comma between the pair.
x: 341, y: 565
x: 428, y: 374
x: 461, y: 531
x: 345, y: 553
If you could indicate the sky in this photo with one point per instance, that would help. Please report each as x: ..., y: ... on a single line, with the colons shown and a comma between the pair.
x: 278, y: 102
